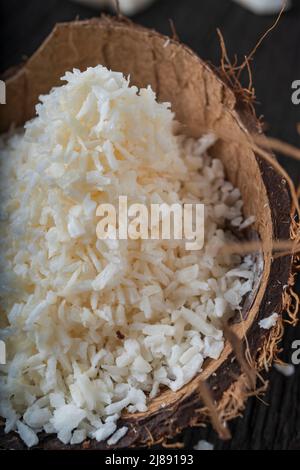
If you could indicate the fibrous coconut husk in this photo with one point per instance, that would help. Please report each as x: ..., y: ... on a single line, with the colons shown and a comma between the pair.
x: 203, y: 103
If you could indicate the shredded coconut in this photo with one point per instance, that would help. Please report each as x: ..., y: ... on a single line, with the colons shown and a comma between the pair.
x: 117, y: 436
x: 269, y: 322
x: 96, y: 327
x: 27, y: 434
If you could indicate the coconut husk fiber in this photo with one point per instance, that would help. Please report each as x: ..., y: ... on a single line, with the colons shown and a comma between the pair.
x: 202, y: 103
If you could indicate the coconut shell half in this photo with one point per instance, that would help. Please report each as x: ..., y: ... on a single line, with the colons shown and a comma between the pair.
x: 202, y: 103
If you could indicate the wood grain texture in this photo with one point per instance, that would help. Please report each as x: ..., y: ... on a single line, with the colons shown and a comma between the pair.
x: 277, y: 64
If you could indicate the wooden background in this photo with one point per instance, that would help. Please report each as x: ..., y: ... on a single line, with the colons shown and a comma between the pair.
x: 274, y: 424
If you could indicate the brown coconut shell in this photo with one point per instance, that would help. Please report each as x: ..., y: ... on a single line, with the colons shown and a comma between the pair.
x: 202, y: 102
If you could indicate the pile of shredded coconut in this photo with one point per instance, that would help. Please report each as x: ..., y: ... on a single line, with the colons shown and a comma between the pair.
x: 95, y: 327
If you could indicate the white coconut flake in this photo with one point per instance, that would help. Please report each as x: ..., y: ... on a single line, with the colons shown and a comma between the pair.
x: 37, y: 417
x: 203, y: 445
x: 105, y: 431
x: 249, y: 221
x: 67, y: 417
x: 117, y: 436
x: 269, y: 322
x: 104, y: 277
x: 285, y: 369
x: 27, y: 434
x: 78, y: 436
x: 95, y: 327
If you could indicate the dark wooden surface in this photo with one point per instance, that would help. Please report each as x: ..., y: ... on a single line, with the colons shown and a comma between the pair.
x: 275, y: 424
